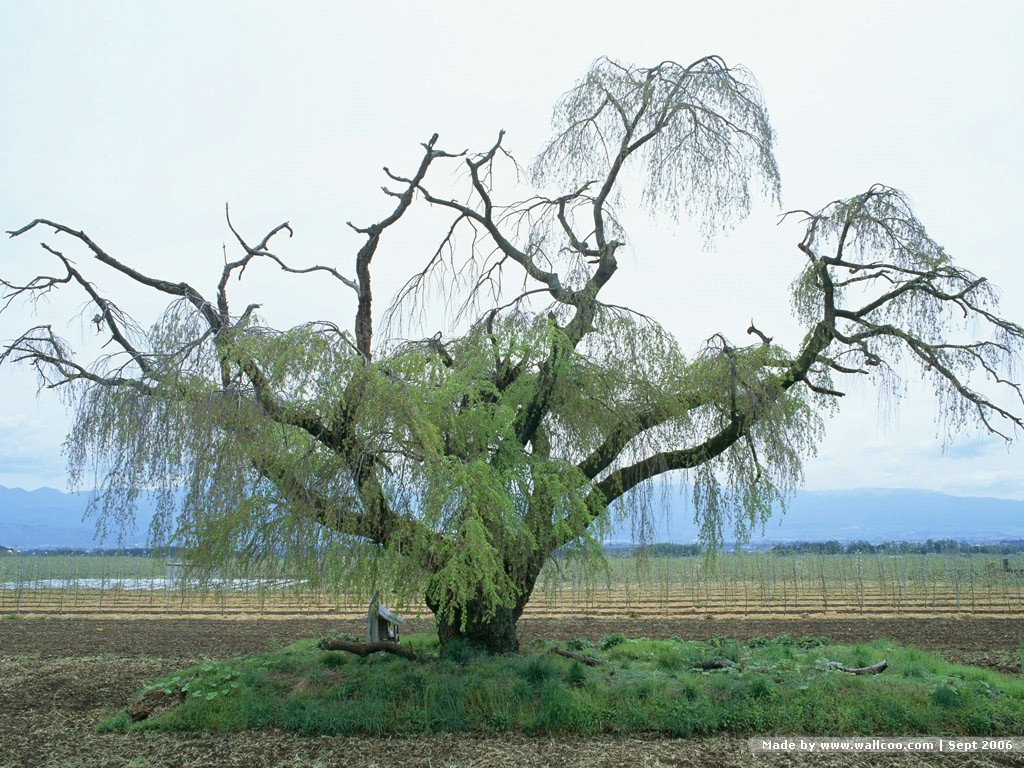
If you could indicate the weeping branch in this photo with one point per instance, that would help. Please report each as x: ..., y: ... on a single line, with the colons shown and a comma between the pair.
x: 473, y: 454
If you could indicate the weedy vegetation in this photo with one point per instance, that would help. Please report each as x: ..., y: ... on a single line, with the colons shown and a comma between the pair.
x: 671, y: 687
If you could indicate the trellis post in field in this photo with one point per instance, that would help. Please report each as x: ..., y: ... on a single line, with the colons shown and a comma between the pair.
x: 956, y: 579
x: 103, y: 586
x: 930, y: 584
x: 796, y: 584
x: 747, y: 587
x: 899, y: 569
x: 1005, y: 581
x: 19, y: 588
x: 824, y: 586
x: 736, y: 584
x: 974, y: 606
x: 857, y: 577
x: 1017, y: 580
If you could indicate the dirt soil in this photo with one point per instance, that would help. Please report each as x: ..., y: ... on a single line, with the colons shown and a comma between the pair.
x: 59, y: 677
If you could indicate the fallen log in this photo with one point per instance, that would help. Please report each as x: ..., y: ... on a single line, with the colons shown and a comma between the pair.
x: 365, y: 649
x: 714, y: 664
x: 590, y: 661
x: 874, y: 669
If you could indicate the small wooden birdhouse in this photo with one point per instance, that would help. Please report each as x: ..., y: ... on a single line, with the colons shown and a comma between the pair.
x: 381, y: 624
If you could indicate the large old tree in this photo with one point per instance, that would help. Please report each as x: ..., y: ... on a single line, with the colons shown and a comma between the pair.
x: 454, y: 466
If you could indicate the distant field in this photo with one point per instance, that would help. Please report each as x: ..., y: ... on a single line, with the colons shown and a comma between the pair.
x: 741, y: 585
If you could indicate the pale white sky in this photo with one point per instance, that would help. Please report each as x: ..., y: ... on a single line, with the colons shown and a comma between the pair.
x: 137, y: 121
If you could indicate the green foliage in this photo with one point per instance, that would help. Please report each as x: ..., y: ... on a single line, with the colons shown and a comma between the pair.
x: 462, y: 487
x: 613, y: 640
x: 460, y: 651
x: 726, y: 648
x: 445, y: 699
x: 947, y: 696
x: 641, y: 686
x: 686, y: 166
x: 540, y: 669
x: 454, y: 467
x: 119, y: 722
x: 577, y: 674
x: 207, y: 681
x: 671, y: 658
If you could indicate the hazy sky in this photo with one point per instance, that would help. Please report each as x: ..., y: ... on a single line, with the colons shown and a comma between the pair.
x: 137, y: 121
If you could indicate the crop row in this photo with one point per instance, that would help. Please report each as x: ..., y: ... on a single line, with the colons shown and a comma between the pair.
x: 747, y: 584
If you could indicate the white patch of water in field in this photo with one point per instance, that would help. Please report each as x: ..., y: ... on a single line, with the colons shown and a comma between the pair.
x: 154, y: 584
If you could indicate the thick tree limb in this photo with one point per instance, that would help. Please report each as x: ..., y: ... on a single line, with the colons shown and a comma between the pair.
x: 373, y: 519
x: 630, y: 428
x: 366, y: 649
x: 182, y: 289
x: 622, y: 480
x: 364, y: 313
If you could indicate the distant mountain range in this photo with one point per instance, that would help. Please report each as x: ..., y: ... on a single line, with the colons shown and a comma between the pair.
x: 50, y: 518
x: 862, y: 514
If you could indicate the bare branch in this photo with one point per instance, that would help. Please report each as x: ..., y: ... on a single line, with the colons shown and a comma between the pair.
x: 182, y: 289
x: 260, y: 250
x: 766, y: 340
x: 364, y: 316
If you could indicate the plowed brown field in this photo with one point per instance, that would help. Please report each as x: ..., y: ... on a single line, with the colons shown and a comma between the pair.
x: 59, y: 676
x: 746, y: 602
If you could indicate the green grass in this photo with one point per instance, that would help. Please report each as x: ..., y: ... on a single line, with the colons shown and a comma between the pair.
x: 777, y: 686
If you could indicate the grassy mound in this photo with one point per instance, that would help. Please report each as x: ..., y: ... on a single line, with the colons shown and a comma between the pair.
x: 777, y: 686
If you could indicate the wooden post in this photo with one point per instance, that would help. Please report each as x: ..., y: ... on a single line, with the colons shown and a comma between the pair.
x: 372, y: 624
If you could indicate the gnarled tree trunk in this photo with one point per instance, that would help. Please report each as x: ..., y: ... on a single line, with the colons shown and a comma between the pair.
x: 496, y: 634
x: 494, y: 630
